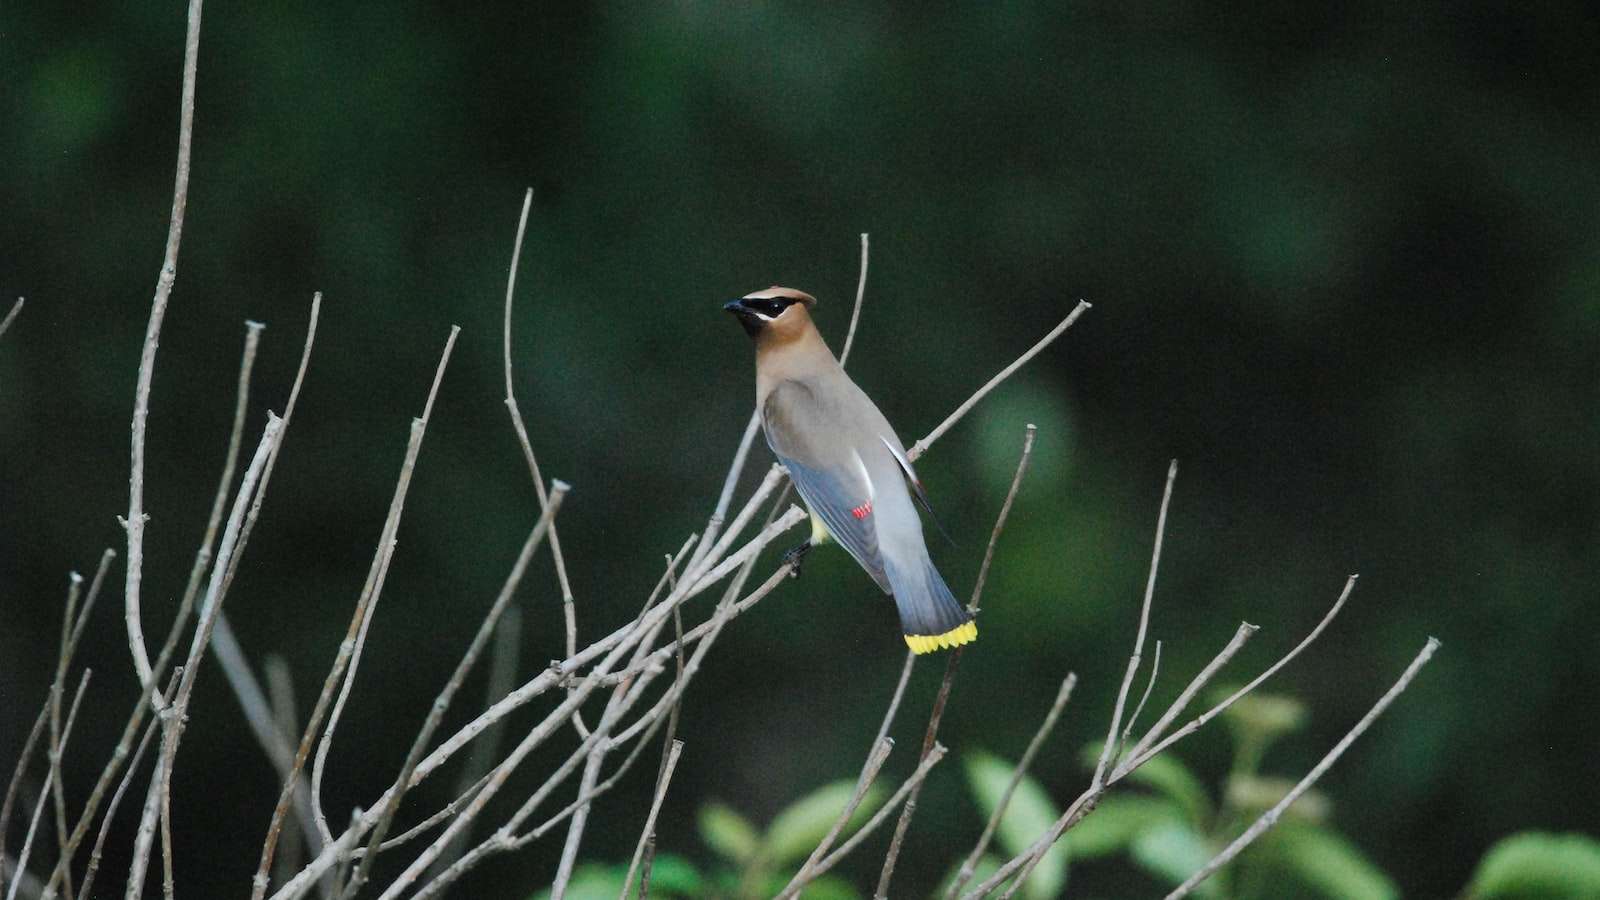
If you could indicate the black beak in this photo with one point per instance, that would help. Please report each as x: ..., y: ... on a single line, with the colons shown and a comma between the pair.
x: 751, y: 322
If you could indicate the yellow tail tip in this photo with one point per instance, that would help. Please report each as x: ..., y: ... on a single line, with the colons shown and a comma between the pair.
x: 927, y: 643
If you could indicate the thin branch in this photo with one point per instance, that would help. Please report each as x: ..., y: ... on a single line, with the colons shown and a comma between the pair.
x: 568, y: 609
x: 872, y: 824
x: 1271, y: 816
x: 11, y: 316
x: 135, y: 521
x: 146, y: 741
x: 556, y: 675
x: 1149, y: 687
x: 921, y: 446
x: 1243, y: 633
x: 719, y: 515
x: 469, y: 659
x: 15, y: 787
x: 45, y: 792
x: 904, y: 824
x: 643, y: 631
x: 285, y: 722
x: 929, y: 743
x: 1139, y: 755
x: 1000, y: 520
x: 73, y: 624
x: 381, y: 574
x: 855, y: 312
x: 970, y: 864
x: 648, y: 833
x: 869, y: 773
x: 1111, y: 746
x: 175, y: 717
x: 1090, y: 798
x: 1152, y: 743
x: 579, y: 820
x: 894, y: 701
x: 369, y: 592
x: 504, y: 657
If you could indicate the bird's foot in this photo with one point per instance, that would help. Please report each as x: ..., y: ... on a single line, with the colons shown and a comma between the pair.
x: 794, y: 557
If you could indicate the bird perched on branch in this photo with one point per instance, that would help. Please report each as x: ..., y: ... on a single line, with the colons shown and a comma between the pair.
x: 848, y: 465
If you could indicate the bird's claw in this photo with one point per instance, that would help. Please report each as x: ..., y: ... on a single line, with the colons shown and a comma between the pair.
x: 794, y: 557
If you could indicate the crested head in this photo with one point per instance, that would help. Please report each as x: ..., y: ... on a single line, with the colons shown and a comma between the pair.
x: 776, y: 315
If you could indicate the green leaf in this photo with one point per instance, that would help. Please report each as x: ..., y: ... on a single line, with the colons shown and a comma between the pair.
x: 670, y: 876
x: 1174, y: 851
x: 987, y: 865
x: 1028, y: 816
x: 828, y: 887
x: 1327, y: 860
x: 591, y: 881
x: 1172, y: 779
x: 728, y: 833
x: 1266, y: 716
x: 797, y: 830
x: 1535, y: 864
x: 673, y: 876
x: 1117, y: 821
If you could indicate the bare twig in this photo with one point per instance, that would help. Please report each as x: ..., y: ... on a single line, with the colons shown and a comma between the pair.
x: 1149, y: 686
x: 285, y: 721
x: 1145, y: 749
x: 904, y: 823
x: 1111, y: 746
x: 175, y: 718
x: 922, y: 446
x: 369, y: 592
x: 14, y: 788
x: 1271, y: 816
x: 135, y: 521
x: 1000, y: 520
x: 11, y: 316
x: 442, y: 703
x: 580, y: 817
x: 258, y: 713
x: 568, y: 610
x: 503, y: 661
x: 648, y: 833
x: 929, y: 743
x: 970, y: 864
x: 894, y: 700
x: 1151, y: 744
x: 855, y: 311
x: 910, y: 784
x: 1023, y: 864
x: 869, y: 773
x: 46, y: 792
x: 386, y: 554
x: 73, y: 623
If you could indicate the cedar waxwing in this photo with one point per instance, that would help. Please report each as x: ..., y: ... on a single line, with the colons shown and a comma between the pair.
x: 848, y: 465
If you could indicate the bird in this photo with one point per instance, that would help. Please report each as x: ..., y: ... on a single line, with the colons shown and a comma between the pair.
x: 848, y: 464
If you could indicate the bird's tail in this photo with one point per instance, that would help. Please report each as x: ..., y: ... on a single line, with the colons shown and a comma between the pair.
x: 930, y: 615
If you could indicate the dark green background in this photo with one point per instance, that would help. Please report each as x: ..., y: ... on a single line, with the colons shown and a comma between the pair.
x: 1345, y: 266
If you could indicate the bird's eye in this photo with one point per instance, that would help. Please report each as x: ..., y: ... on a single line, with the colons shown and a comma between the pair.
x: 766, y: 307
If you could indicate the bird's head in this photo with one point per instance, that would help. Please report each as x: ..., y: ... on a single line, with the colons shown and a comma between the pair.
x: 777, y: 314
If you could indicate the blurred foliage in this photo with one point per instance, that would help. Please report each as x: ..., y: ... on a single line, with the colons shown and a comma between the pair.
x: 1167, y: 823
x: 750, y: 863
x: 1539, y: 866
x: 1344, y: 266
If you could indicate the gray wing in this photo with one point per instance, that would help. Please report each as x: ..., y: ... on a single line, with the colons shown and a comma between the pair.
x: 832, y: 478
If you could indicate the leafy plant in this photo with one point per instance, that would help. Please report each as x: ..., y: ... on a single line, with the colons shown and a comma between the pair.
x: 750, y: 862
x: 1175, y: 824
x: 1536, y: 865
